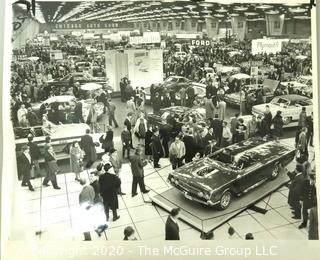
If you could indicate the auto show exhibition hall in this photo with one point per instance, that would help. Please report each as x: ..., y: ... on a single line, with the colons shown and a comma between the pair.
x: 162, y: 120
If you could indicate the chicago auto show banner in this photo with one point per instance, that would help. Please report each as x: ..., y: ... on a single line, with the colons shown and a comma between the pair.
x: 145, y: 67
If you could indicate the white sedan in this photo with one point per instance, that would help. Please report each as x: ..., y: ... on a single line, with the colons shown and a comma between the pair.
x: 290, y: 106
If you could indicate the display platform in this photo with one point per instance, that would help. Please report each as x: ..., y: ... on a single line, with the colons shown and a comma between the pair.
x: 205, y: 218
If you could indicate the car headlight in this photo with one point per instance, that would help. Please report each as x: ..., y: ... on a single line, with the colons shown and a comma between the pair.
x: 176, y: 182
x: 200, y: 194
x: 207, y: 196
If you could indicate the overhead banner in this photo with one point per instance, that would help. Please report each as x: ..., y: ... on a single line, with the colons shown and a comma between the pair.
x: 239, y: 26
x: 148, y: 37
x: 145, y: 67
x: 266, y: 46
x: 195, y: 42
x: 251, y: 63
x: 274, y: 24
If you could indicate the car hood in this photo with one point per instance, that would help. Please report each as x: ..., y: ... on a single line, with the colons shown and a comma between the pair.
x: 210, y: 181
x: 260, y: 109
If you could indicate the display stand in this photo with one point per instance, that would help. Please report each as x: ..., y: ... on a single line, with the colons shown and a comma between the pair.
x: 205, y: 218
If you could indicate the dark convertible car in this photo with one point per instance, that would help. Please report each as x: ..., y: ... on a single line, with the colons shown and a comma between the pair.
x: 231, y: 171
x: 176, y: 117
x: 81, y: 77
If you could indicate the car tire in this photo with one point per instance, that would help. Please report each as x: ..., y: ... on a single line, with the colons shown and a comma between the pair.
x: 287, y: 120
x: 275, y: 171
x: 225, y: 200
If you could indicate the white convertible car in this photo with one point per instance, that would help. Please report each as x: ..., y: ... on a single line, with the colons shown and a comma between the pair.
x: 290, y: 105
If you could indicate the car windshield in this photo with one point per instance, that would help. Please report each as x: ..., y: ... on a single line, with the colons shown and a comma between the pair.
x: 280, y: 101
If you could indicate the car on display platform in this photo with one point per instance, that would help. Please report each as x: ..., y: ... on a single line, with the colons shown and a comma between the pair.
x: 162, y: 120
x: 82, y: 66
x: 302, y: 86
x: 269, y: 86
x: 218, y: 178
x: 81, y: 77
x: 69, y: 101
x: 61, y: 135
x: 290, y: 106
x: 175, y: 83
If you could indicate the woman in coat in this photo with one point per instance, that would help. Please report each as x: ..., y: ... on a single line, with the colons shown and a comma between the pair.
x: 76, y: 157
x: 107, y: 140
x: 140, y: 129
x: 92, y: 118
x: 116, y: 163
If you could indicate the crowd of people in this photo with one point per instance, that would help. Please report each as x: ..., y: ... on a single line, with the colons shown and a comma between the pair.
x: 181, y: 138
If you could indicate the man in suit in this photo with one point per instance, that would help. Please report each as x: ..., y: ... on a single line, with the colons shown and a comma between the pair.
x: 25, y: 166
x: 172, y: 227
x: 157, y: 149
x: 127, y: 123
x: 111, y: 112
x: 296, y: 178
x: 109, y: 186
x: 217, y: 128
x: 89, y: 148
x: 137, y: 165
x: 308, y: 197
x: 309, y: 122
x: 52, y: 168
x: 35, y: 156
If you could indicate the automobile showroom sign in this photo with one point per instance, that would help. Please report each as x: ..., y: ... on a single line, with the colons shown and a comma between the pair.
x: 266, y: 46
x: 201, y: 42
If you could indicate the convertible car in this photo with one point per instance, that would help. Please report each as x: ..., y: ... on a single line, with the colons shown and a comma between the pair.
x: 269, y: 85
x: 181, y: 115
x: 67, y: 101
x: 289, y: 105
x: 65, y: 134
x: 229, y: 172
x: 81, y: 77
x: 175, y: 83
x: 302, y: 86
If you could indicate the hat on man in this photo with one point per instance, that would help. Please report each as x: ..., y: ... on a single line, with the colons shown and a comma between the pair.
x: 107, y: 167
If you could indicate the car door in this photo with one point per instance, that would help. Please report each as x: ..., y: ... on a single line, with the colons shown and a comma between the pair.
x: 251, y: 176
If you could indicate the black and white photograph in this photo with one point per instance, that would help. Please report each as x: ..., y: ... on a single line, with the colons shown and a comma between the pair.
x: 161, y: 120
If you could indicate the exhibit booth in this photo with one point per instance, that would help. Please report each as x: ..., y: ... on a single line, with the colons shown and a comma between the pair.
x: 142, y: 67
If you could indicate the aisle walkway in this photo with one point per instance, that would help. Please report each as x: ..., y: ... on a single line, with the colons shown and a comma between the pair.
x: 56, y: 212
